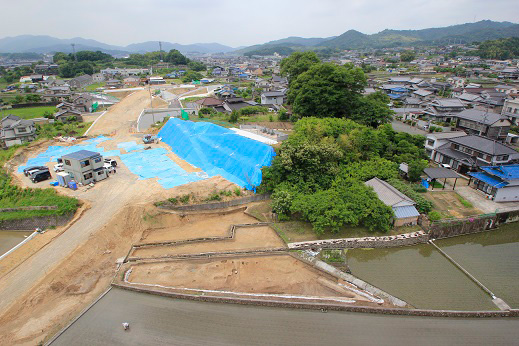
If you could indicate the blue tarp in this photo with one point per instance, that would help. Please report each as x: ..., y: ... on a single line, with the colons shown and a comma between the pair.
x: 488, y: 179
x: 509, y: 172
x: 155, y: 163
x: 130, y: 146
x: 218, y: 151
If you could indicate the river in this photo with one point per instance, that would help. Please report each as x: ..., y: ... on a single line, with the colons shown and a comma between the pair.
x: 156, y: 320
x: 424, y: 278
x: 9, y: 239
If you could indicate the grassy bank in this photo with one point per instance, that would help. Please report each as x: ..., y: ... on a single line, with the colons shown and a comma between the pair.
x: 14, y: 196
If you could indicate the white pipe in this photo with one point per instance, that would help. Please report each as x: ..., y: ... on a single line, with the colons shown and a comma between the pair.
x: 33, y: 234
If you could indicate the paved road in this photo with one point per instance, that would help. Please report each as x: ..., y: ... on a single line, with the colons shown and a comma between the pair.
x: 156, y: 320
x: 401, y: 127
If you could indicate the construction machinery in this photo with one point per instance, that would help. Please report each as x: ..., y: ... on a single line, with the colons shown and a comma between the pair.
x: 147, y: 139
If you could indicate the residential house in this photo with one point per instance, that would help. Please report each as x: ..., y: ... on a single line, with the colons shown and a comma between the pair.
x: 46, y: 69
x: 456, y: 82
x: 81, y: 81
x: 465, y: 154
x: 422, y: 94
x: 84, y: 166
x: 501, y: 183
x: 507, y: 89
x: 483, y: 123
x: 469, y: 100
x: 15, y: 130
x: 131, y: 81
x: 35, y: 78
x: 209, y: 102
x: 98, y: 77
x: 262, y: 84
x: 83, y: 102
x: 235, y: 104
x: 273, y: 98
x: 403, y: 207
x: 444, y: 109
x: 67, y: 115
x: 435, y: 140
x: 511, y: 110
x: 116, y: 83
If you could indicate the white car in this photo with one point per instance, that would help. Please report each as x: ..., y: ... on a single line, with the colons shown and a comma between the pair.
x: 445, y: 165
x: 58, y: 167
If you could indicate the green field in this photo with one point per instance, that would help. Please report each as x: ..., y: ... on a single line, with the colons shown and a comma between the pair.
x: 29, y: 112
x: 93, y: 87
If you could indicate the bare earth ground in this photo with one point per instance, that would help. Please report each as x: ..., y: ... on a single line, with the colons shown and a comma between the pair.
x: 256, y: 274
x: 246, y: 238
x: 50, y: 279
x: 175, y: 227
x: 449, y: 204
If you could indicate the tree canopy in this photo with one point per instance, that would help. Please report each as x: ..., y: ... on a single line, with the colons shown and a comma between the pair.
x: 503, y: 48
x: 319, y: 172
x: 297, y: 63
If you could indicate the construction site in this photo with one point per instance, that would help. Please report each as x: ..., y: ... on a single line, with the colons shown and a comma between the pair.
x: 119, y: 237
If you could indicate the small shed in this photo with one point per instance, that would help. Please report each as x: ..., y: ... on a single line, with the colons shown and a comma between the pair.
x: 437, y: 173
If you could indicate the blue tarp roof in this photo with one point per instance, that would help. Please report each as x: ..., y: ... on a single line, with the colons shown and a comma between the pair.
x: 405, y: 211
x: 509, y: 172
x: 395, y: 96
x: 488, y: 179
x: 218, y: 151
x: 399, y: 90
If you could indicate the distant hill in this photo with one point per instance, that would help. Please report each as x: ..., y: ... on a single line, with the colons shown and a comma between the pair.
x: 49, y: 44
x: 466, y: 33
x: 352, y: 39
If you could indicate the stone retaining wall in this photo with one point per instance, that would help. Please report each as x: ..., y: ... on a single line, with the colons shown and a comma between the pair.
x: 50, y: 207
x: 324, y: 307
x: 217, y: 205
x: 32, y: 223
x: 451, y: 228
x: 365, y: 242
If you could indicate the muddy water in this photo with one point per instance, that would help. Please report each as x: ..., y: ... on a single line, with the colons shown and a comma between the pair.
x: 424, y: 278
x: 9, y: 239
x: 156, y: 320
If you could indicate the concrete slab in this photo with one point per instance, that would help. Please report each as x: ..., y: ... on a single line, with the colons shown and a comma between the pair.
x: 500, y: 303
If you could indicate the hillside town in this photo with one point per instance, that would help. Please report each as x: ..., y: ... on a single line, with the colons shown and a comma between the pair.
x: 300, y: 183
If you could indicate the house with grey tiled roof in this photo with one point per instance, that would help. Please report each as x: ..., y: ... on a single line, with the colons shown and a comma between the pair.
x: 483, y: 123
x: 15, y: 131
x: 466, y: 154
x: 403, y: 206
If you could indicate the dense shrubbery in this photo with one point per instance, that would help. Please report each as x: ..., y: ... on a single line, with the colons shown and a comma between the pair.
x: 422, y: 204
x: 319, y: 172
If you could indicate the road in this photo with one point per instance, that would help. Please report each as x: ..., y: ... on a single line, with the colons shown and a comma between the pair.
x: 156, y: 320
x: 399, y: 126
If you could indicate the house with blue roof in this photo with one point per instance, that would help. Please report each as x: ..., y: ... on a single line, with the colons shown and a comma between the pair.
x: 501, y: 183
x: 403, y: 207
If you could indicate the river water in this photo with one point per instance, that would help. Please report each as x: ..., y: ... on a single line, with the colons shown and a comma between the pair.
x: 424, y: 278
x: 9, y: 239
x: 156, y: 320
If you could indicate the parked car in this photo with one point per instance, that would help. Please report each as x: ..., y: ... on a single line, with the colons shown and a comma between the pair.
x: 27, y: 171
x: 445, y: 165
x: 112, y: 162
x: 58, y: 167
x: 38, y: 176
x: 109, y: 168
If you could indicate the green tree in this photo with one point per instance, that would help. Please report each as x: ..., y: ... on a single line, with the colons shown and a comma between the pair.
x: 407, y: 56
x: 373, y: 110
x: 416, y: 168
x: 175, y: 57
x: 297, y: 63
x: 196, y: 66
x: 191, y: 76
x: 60, y: 57
x: 327, y: 90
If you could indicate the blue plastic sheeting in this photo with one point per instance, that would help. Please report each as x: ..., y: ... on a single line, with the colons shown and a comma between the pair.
x: 97, y: 140
x: 218, y: 151
x: 130, y: 146
x: 155, y: 163
x: 54, y: 152
x: 488, y: 179
x: 509, y: 172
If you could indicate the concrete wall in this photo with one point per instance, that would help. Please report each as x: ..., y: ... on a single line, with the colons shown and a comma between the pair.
x: 217, y: 205
x: 32, y: 223
x: 507, y: 194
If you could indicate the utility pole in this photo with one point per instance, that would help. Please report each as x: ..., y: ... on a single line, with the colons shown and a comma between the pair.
x: 74, y: 51
x: 160, y: 52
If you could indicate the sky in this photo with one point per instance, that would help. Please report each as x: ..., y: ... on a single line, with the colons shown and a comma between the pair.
x: 236, y: 22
